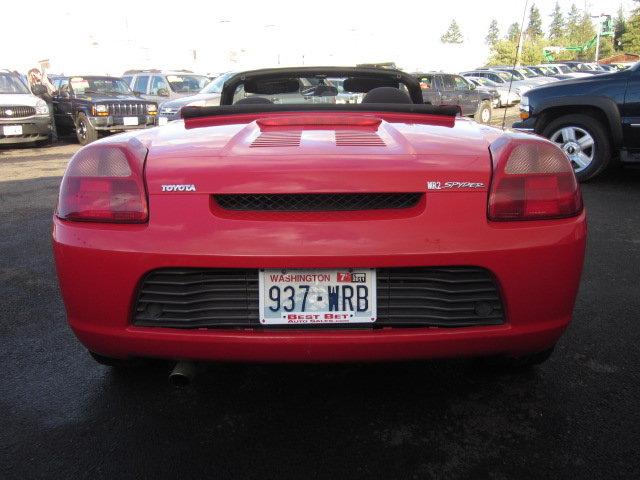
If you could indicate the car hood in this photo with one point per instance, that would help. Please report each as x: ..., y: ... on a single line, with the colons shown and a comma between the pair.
x: 209, y: 99
x: 101, y: 97
x: 25, y: 99
x: 247, y: 158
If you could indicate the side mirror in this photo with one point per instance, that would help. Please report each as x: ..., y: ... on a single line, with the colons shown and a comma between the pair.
x: 39, y: 90
x: 163, y: 92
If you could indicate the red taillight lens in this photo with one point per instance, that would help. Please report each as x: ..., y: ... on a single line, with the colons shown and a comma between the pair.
x: 104, y: 183
x: 532, y: 180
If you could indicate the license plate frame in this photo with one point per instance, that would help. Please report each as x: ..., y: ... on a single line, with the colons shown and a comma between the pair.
x: 12, y: 130
x: 130, y: 121
x: 319, y: 301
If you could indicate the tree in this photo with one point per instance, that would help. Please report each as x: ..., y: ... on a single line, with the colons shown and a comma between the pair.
x: 503, y: 52
x: 493, y: 34
x: 556, y: 28
x: 573, y: 19
x: 453, y: 34
x: 631, y: 38
x: 513, y: 34
x: 619, y: 29
x: 534, y: 29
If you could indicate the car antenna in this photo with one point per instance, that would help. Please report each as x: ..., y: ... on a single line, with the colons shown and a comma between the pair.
x: 515, y: 60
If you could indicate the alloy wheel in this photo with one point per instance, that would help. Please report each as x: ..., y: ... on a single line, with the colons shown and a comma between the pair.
x: 578, y: 144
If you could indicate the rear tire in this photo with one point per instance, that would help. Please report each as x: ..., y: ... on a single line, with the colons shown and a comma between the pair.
x: 114, y: 362
x: 84, y: 130
x: 522, y: 363
x: 484, y: 113
x: 586, y: 131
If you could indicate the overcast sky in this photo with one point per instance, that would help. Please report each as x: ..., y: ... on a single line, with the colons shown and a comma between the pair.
x: 210, y: 36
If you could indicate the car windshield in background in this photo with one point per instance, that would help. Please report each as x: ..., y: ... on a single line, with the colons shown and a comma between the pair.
x: 485, y: 82
x: 187, y: 83
x: 216, y: 85
x: 106, y: 86
x: 295, y: 91
x: 507, y: 77
x: 12, y: 84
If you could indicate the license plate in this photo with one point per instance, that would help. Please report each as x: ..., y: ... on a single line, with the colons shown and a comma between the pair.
x: 12, y: 130
x: 302, y: 297
x: 130, y: 121
x: 163, y: 121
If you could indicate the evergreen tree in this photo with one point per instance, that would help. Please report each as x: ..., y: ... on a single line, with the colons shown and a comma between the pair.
x: 513, y: 34
x: 493, y: 34
x: 556, y: 29
x: 573, y: 19
x: 619, y: 28
x: 631, y: 38
x: 534, y: 29
x: 453, y: 34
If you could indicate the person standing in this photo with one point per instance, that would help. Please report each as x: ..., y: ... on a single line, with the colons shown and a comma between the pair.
x: 36, y: 77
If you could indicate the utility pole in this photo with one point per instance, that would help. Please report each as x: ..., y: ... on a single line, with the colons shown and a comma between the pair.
x: 599, y: 17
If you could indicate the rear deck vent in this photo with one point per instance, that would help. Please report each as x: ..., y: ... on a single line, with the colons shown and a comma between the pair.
x: 318, y: 202
x: 354, y: 138
x: 277, y: 139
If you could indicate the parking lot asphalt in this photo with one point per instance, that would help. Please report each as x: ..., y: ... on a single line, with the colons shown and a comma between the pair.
x: 64, y: 416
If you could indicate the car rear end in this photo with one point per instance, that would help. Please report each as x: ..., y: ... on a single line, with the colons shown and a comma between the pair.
x: 312, y: 237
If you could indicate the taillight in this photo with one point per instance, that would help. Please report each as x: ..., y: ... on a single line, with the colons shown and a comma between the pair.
x: 532, y: 180
x: 104, y: 183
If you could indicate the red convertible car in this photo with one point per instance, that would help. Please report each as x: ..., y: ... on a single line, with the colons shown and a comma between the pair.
x: 268, y: 229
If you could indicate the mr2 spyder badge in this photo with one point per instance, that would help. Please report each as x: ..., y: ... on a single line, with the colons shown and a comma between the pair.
x: 179, y: 188
x: 453, y: 185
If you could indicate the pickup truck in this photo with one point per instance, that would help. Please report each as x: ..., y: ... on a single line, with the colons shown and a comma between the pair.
x: 592, y: 119
x: 448, y: 89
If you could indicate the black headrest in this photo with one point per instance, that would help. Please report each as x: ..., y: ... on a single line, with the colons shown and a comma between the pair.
x: 386, y: 95
x: 253, y: 101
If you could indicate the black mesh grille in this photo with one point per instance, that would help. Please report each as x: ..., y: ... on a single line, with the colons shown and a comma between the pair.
x: 18, y: 111
x: 318, y: 202
x: 421, y: 296
x: 123, y: 109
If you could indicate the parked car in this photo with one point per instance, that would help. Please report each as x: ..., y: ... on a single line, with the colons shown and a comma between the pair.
x: 91, y: 105
x: 161, y: 86
x: 506, y: 97
x: 386, y: 230
x: 449, y: 89
x: 564, y: 70
x: 583, y: 67
x: 23, y: 116
x: 591, y: 119
x: 207, y: 97
x: 501, y: 78
x: 523, y: 75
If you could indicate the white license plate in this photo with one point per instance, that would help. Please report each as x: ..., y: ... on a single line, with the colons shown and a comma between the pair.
x: 303, y: 297
x: 130, y: 120
x: 12, y: 130
x: 163, y: 121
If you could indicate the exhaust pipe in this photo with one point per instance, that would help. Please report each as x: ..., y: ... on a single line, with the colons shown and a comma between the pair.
x: 182, y: 374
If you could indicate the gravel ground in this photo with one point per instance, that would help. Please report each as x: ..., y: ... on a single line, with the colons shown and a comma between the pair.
x: 64, y: 416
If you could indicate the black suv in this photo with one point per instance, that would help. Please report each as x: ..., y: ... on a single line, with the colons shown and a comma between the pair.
x: 590, y: 118
x: 90, y: 105
x: 448, y: 89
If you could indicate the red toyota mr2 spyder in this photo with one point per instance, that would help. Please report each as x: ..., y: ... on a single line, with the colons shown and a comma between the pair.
x: 281, y: 226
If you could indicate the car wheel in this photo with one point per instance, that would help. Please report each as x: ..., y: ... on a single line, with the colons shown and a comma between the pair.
x: 114, y: 362
x: 585, y: 142
x: 483, y: 115
x: 517, y: 364
x: 84, y: 130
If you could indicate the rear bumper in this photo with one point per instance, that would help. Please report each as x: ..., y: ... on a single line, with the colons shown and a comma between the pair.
x: 537, y: 266
x: 33, y: 129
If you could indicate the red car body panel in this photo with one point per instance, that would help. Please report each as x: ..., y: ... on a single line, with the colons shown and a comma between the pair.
x: 537, y: 264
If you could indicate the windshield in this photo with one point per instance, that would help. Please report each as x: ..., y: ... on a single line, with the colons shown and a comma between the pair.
x: 216, y: 85
x: 564, y: 69
x: 505, y: 76
x: 12, y: 84
x: 85, y: 85
x: 485, y: 82
x: 187, y: 83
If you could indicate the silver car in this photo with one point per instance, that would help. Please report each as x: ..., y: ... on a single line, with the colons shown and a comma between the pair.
x: 162, y: 86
